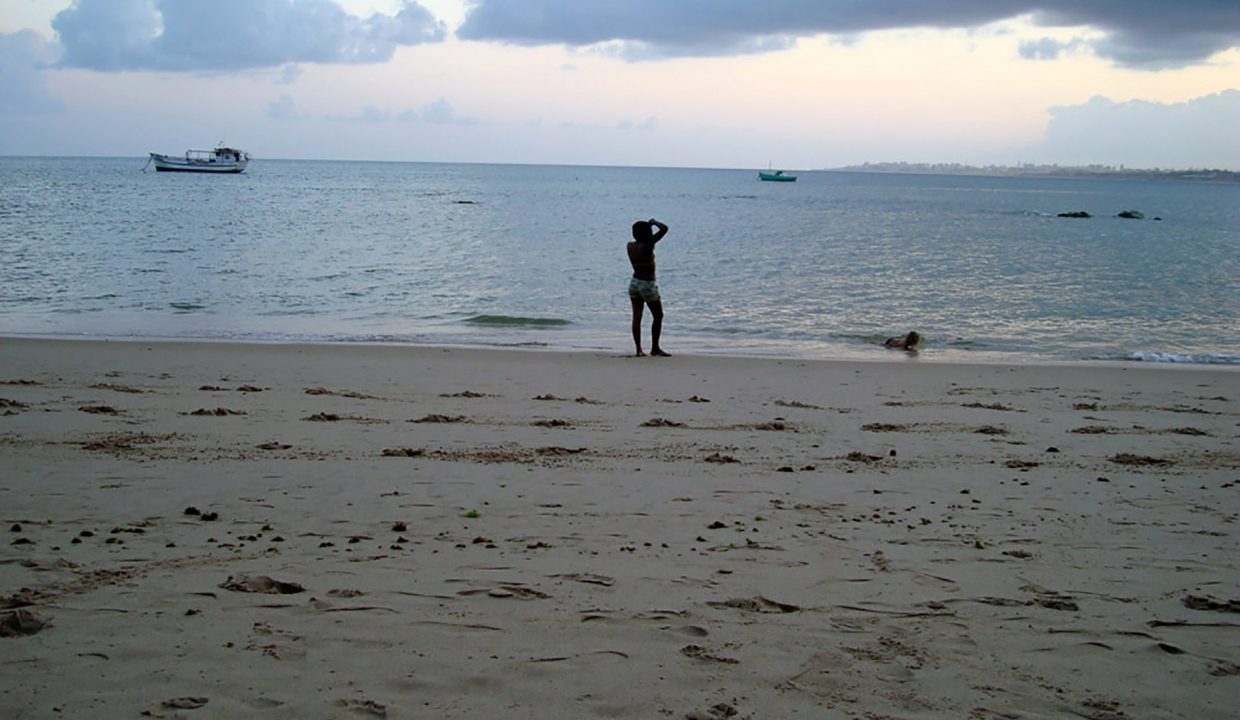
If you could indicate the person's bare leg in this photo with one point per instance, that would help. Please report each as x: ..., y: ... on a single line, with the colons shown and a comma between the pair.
x: 656, y: 328
x: 637, y: 326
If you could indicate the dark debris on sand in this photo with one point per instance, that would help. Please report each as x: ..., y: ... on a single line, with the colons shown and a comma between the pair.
x: 100, y: 410
x: 217, y: 412
x: 1205, y: 602
x: 1132, y: 459
x: 403, y: 452
x: 261, y: 584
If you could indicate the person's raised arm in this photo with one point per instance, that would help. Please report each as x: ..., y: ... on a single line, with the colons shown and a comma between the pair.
x: 659, y: 232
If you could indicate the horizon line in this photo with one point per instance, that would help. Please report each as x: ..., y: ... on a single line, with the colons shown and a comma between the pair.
x: 878, y: 166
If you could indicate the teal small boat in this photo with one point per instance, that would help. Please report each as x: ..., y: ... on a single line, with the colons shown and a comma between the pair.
x: 777, y: 176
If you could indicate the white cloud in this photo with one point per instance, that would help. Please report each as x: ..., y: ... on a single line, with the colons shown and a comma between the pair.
x: 370, y: 113
x: 1198, y: 133
x: 281, y: 109
x: 441, y: 112
x: 1047, y: 48
x: 290, y: 74
x: 23, y: 54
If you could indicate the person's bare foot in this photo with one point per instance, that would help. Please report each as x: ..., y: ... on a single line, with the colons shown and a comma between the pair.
x: 640, y: 354
x: 659, y: 353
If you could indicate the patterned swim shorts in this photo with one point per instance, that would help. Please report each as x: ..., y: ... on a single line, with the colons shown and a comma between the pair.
x: 646, y: 290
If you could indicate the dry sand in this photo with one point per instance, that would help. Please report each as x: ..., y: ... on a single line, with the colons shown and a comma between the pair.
x: 230, y: 530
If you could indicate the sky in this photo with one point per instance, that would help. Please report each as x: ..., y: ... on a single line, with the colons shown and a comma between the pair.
x: 797, y: 84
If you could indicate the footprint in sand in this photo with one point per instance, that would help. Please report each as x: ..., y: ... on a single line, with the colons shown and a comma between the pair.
x: 261, y: 584
x: 757, y: 604
x: 117, y: 388
x: 22, y: 622
x: 1131, y: 459
x: 322, y: 417
x: 433, y: 418
x: 468, y: 394
x: 934, y: 581
x: 363, y: 708
x: 100, y: 410
x: 697, y: 652
x: 696, y: 631
x: 185, y: 703
x: 345, y: 393
x: 796, y: 404
x: 885, y: 427
x: 590, y: 578
x: 505, y: 591
x: 217, y: 412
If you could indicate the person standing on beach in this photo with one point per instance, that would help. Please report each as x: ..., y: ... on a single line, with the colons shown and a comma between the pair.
x: 642, y: 288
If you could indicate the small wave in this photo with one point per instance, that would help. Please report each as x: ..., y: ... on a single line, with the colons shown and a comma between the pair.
x: 724, y: 330
x: 186, y: 306
x: 863, y: 338
x: 1166, y: 357
x: 530, y: 344
x: 881, y: 338
x: 1026, y: 213
x: 511, y: 320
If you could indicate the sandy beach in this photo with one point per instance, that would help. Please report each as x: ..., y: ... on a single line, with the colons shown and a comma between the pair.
x: 311, y: 531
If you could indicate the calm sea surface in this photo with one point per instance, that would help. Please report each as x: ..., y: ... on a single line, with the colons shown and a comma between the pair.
x: 534, y: 256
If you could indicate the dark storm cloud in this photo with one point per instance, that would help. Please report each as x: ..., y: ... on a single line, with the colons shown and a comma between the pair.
x: 1137, y: 33
x: 192, y: 35
x: 1150, y: 34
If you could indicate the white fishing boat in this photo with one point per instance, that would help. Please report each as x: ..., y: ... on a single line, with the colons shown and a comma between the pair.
x: 220, y: 160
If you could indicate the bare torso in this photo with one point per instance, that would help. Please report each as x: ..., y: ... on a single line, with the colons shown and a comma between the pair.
x: 641, y: 256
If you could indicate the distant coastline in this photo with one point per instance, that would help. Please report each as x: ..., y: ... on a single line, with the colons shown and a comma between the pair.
x: 1109, y: 172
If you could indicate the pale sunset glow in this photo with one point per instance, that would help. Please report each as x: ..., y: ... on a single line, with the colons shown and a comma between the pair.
x: 643, y: 84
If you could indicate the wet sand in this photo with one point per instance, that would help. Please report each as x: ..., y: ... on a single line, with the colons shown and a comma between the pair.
x: 233, y: 530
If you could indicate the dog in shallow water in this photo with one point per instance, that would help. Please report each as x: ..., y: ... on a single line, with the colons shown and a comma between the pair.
x: 908, y: 342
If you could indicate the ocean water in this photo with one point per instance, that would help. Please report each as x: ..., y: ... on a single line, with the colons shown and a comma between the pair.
x: 533, y: 256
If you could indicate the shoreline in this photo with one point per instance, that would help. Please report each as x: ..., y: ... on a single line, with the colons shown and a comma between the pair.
x: 338, y: 530
x: 934, y: 356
